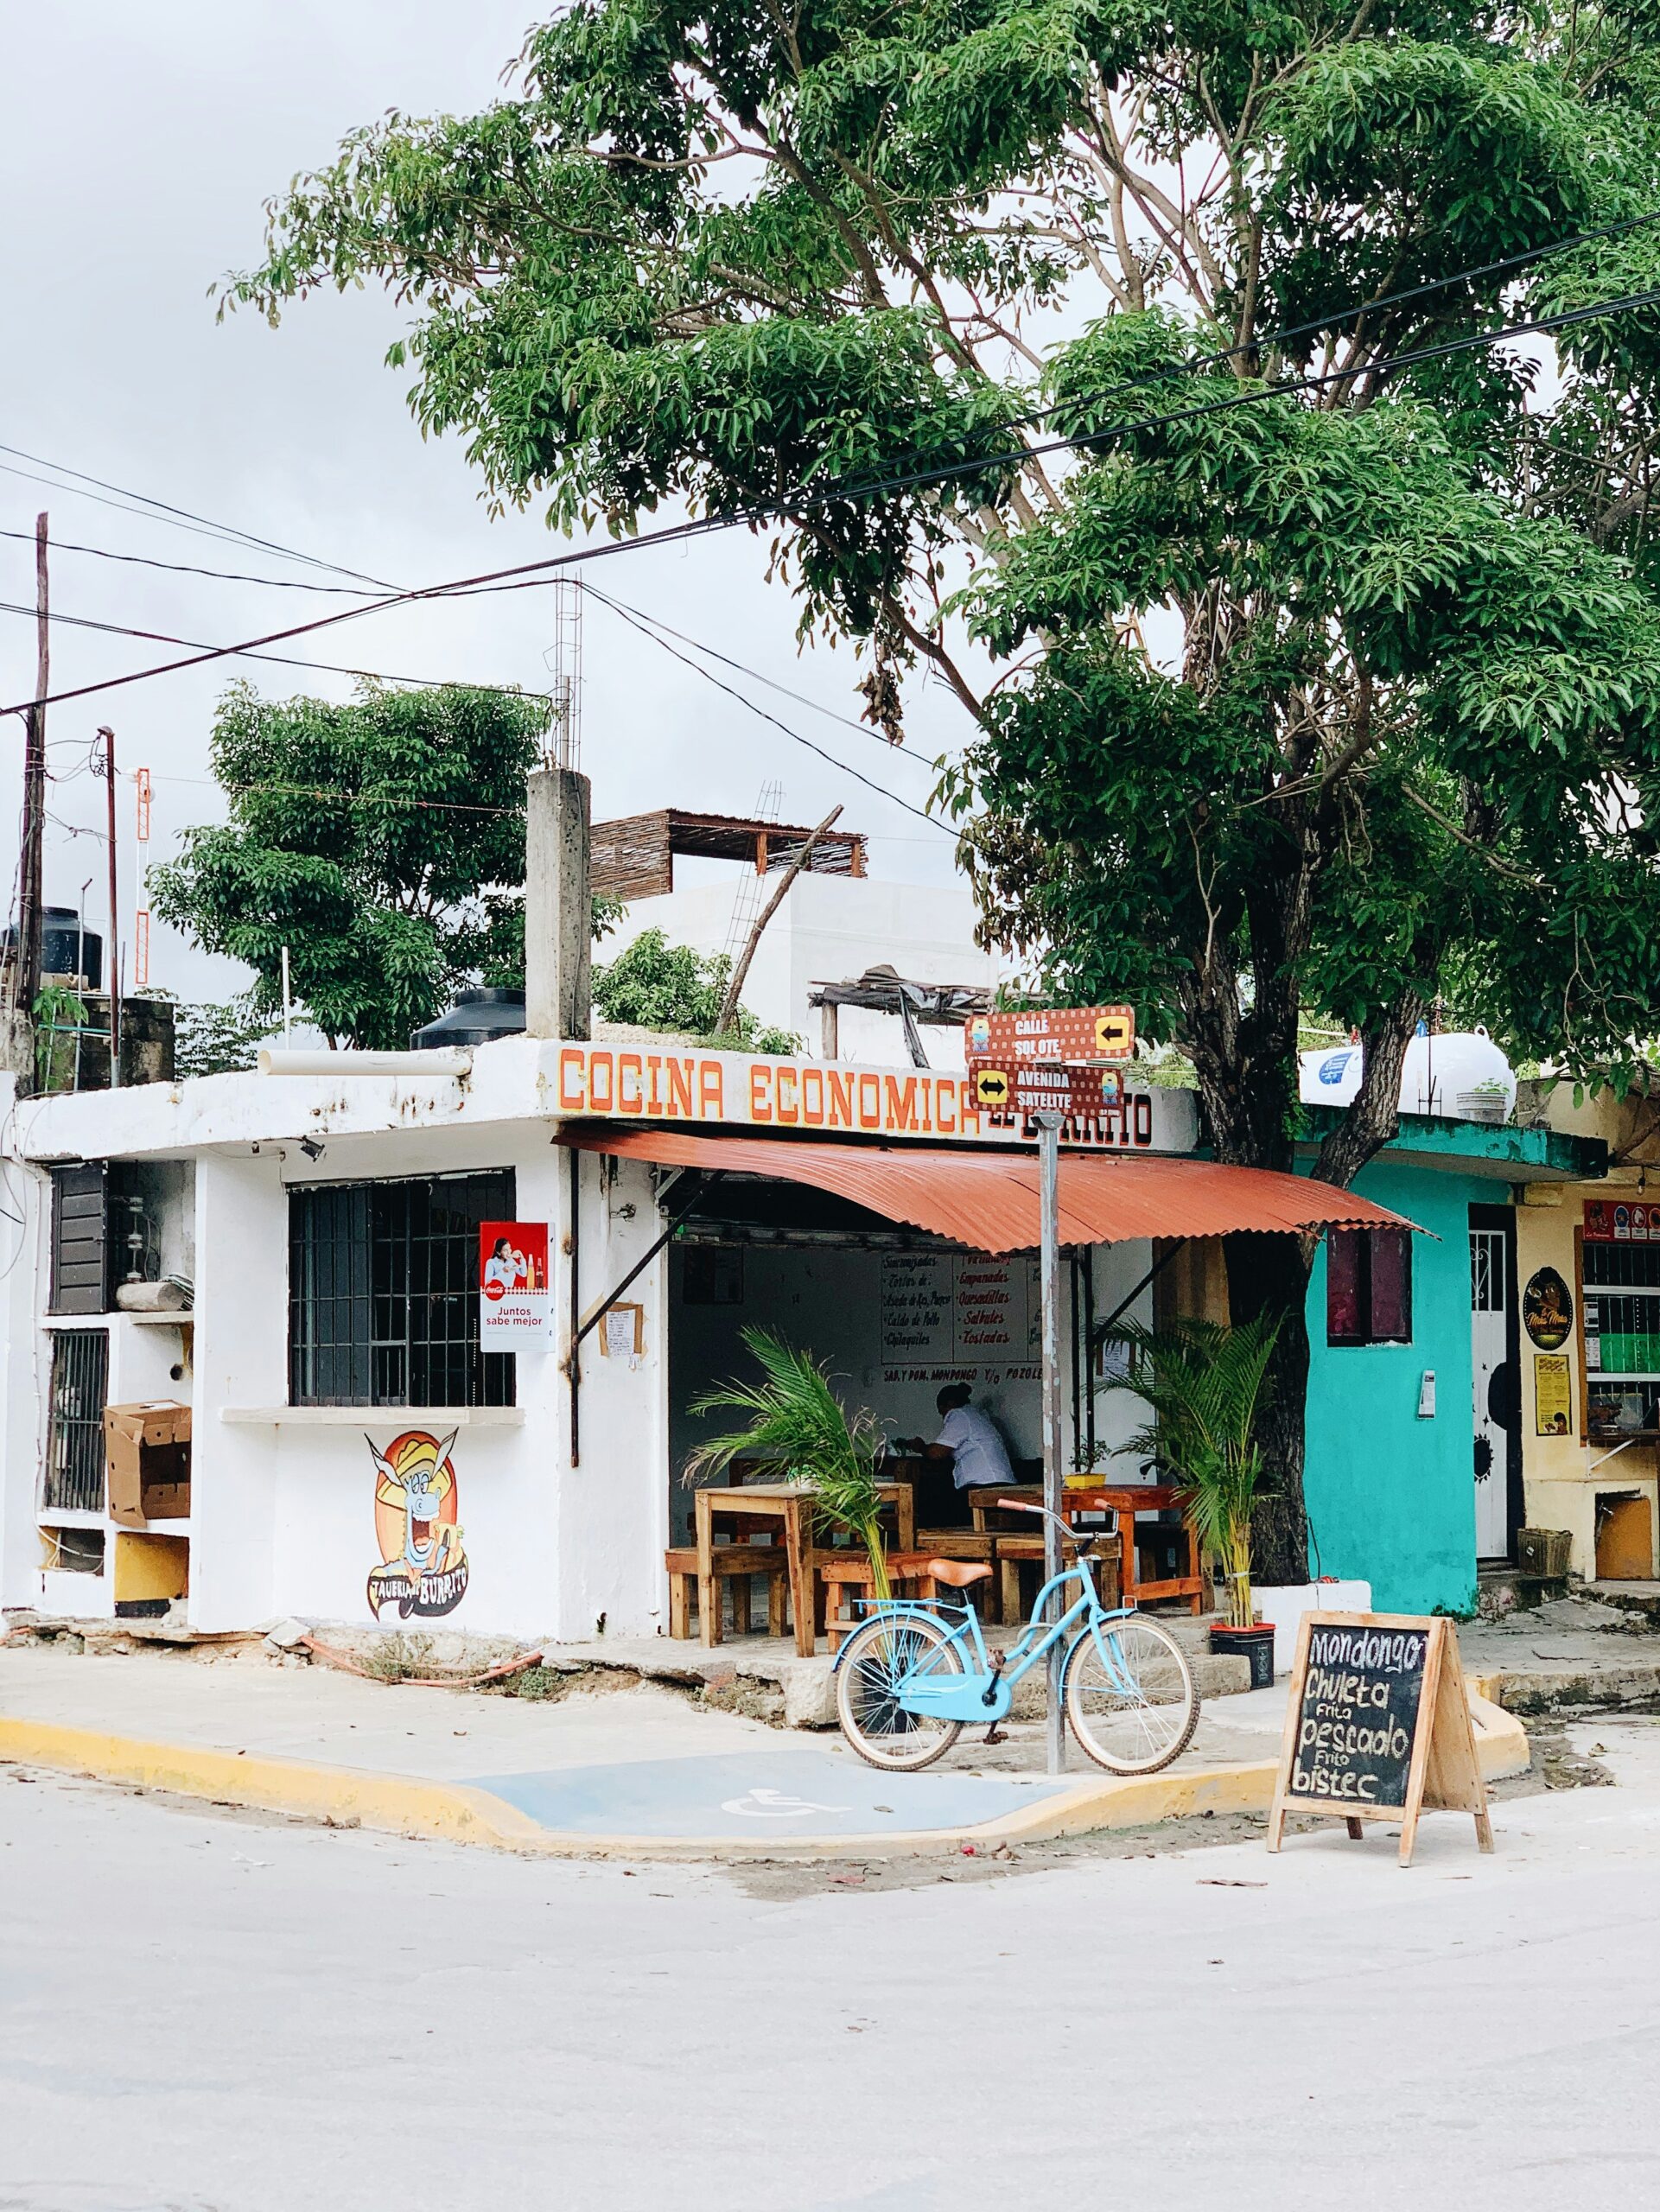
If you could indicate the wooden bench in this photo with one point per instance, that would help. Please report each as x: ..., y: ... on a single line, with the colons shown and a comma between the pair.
x: 909, y: 1576
x: 1015, y: 1553
x: 980, y: 1550
x: 734, y: 1565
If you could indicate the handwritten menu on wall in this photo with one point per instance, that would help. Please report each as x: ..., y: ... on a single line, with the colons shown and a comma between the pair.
x: 964, y: 1311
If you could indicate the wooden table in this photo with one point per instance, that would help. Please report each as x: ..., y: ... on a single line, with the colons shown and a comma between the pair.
x: 791, y: 1505
x: 1125, y: 1501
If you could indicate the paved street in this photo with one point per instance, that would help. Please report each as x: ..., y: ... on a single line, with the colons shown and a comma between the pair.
x: 204, y: 2009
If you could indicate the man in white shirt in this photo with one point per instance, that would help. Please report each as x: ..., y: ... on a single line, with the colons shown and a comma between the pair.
x: 971, y: 1440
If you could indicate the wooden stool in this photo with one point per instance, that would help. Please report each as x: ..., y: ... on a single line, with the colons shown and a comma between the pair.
x: 734, y: 1564
x: 1015, y: 1552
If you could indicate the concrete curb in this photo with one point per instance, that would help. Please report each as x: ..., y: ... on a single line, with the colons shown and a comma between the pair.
x: 410, y: 1805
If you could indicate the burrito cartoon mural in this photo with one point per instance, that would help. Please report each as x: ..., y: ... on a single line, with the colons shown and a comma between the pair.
x: 423, y: 1565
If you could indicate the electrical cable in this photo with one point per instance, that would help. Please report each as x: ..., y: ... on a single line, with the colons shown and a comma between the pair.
x: 284, y: 660
x: 652, y: 622
x: 183, y: 569
x: 1266, y: 341
x: 526, y: 576
x: 186, y: 518
x: 708, y: 677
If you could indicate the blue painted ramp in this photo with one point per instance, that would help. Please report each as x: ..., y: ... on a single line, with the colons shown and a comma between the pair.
x: 756, y: 1794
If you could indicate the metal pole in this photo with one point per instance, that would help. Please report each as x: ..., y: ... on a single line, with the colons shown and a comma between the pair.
x: 1049, y: 1167
x: 29, y: 934
x: 113, y: 979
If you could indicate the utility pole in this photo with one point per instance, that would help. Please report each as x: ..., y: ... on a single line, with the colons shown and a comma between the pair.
x: 28, y: 969
x: 113, y: 978
x: 1049, y: 1269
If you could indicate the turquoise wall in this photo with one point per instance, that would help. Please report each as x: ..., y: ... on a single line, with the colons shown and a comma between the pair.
x: 1391, y: 1498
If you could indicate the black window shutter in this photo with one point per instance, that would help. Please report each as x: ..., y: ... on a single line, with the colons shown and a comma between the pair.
x: 79, y: 1239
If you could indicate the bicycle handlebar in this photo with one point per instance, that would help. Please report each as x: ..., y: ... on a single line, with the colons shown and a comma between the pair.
x: 1083, y: 1539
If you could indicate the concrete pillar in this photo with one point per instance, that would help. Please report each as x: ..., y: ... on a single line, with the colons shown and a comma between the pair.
x: 558, y: 904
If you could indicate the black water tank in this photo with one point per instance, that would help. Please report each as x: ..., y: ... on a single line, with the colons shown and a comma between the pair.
x: 63, y: 951
x: 476, y: 1017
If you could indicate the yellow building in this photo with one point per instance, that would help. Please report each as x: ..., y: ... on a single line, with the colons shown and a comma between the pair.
x: 1589, y: 1274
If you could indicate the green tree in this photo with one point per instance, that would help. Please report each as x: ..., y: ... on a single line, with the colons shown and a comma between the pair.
x: 1340, y: 699
x: 366, y: 838
x: 673, y: 987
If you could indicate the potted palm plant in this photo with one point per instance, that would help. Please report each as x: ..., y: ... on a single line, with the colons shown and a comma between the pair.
x: 1201, y: 1380
x: 797, y: 1421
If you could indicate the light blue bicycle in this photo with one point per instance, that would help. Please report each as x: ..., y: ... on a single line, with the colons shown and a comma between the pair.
x: 910, y: 1678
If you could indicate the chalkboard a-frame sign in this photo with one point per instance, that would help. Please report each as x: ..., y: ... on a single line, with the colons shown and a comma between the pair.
x: 1377, y: 1726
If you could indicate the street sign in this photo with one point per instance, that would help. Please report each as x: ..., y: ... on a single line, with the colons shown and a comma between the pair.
x: 1043, y: 1087
x: 1070, y: 1036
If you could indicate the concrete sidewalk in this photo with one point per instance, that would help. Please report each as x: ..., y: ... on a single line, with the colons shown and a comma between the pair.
x: 635, y: 1773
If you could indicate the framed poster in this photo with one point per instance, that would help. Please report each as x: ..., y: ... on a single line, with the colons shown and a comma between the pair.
x: 1552, y: 1394
x: 515, y: 1303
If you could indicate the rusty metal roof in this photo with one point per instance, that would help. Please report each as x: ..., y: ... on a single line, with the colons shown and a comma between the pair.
x: 990, y: 1200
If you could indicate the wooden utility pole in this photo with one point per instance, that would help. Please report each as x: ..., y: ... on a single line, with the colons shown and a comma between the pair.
x: 112, y: 978
x: 29, y: 934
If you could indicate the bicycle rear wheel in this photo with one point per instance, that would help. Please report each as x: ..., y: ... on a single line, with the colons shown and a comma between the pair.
x: 877, y: 1658
x: 1129, y: 1694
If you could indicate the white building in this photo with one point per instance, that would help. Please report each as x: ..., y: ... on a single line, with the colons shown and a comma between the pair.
x: 330, y: 1222
x: 834, y: 922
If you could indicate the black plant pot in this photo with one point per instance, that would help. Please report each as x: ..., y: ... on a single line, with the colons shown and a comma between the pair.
x: 1255, y: 1645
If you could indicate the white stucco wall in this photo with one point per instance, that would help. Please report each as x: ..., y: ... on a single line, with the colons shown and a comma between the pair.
x: 831, y: 929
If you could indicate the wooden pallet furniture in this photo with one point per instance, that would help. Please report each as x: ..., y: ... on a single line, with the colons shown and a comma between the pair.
x: 971, y: 1549
x: 788, y: 1507
x: 1015, y: 1554
x: 734, y: 1566
x: 847, y: 1576
x: 1125, y: 1501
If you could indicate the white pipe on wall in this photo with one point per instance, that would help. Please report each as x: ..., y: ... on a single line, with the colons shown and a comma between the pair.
x: 448, y: 1059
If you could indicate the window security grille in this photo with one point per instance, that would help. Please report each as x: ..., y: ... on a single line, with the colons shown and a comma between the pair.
x: 384, y: 1293
x: 75, y: 1443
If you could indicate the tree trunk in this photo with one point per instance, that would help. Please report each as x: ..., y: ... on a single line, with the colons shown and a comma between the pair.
x: 1267, y: 1277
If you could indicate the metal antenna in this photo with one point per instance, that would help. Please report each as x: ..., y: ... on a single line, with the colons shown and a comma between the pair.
x: 746, y: 905
x: 563, y: 747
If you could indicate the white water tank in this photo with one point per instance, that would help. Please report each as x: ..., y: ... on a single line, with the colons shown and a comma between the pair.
x: 1462, y: 1077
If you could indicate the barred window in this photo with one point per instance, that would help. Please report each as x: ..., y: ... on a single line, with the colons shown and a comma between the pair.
x: 384, y: 1293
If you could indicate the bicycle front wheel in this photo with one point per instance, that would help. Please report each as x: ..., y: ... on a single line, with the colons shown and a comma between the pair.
x: 1130, y: 1696
x: 878, y: 1658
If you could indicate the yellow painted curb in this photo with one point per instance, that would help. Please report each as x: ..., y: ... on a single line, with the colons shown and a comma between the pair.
x: 404, y: 1804
x: 407, y: 1805
x: 410, y: 1805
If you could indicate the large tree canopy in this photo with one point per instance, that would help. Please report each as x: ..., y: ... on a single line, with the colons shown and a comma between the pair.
x: 1341, y: 698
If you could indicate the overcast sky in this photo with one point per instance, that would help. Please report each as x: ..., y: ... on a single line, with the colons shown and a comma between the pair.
x: 138, y: 147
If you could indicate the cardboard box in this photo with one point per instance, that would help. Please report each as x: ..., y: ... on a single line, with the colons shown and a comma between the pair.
x: 147, y: 1452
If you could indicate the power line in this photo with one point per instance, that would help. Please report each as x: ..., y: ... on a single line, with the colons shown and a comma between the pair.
x: 183, y: 569
x: 284, y: 660
x: 652, y: 622
x: 525, y: 576
x: 709, y: 676
x: 1358, y: 310
x: 185, y: 517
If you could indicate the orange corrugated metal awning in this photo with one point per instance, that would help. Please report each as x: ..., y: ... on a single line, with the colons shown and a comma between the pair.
x: 991, y: 1200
